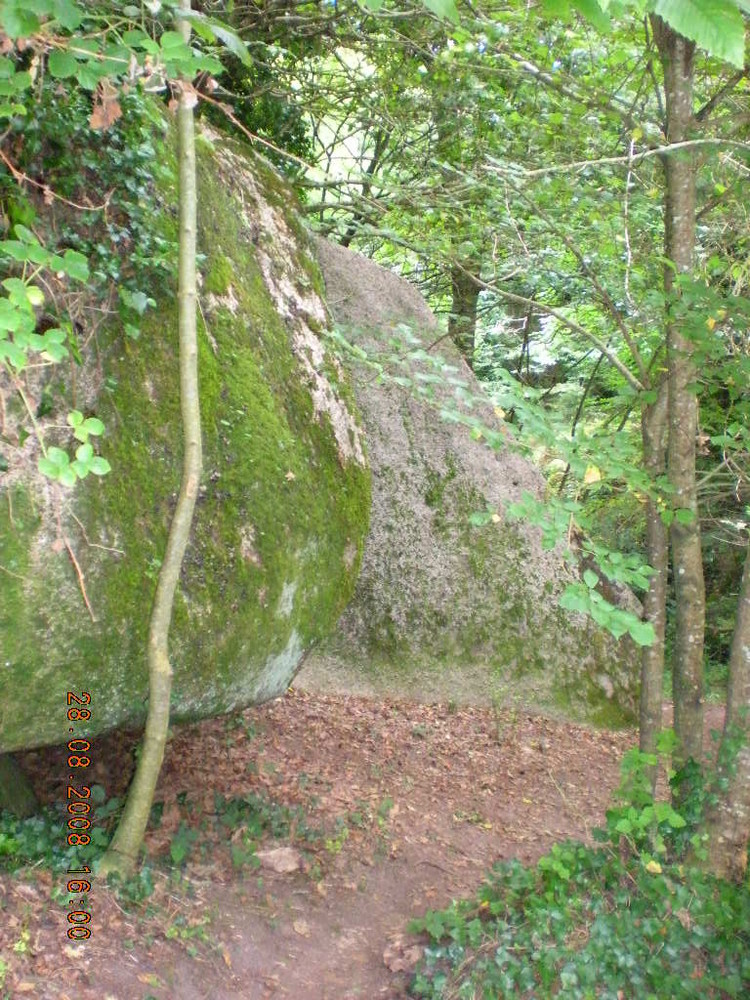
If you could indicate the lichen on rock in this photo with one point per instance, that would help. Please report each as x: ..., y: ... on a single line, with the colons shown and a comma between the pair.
x: 441, y: 606
x: 283, y: 505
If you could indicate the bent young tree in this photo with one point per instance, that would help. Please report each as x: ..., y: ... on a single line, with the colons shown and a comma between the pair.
x: 122, y: 853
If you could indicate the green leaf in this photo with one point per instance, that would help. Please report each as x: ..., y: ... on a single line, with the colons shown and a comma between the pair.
x: 594, y: 13
x: 67, y: 475
x: 373, y: 5
x: 573, y: 599
x: 93, y: 426
x: 58, y: 456
x: 443, y: 8
x: 480, y: 517
x: 99, y: 466
x: 75, y: 418
x: 715, y: 25
x: 67, y: 14
x: 47, y: 468
x: 17, y: 22
x: 211, y: 29
x: 62, y: 64
x: 80, y: 468
x: 642, y: 633
x: 556, y: 8
x: 75, y: 265
x: 14, y: 354
x: 684, y: 515
x: 590, y: 578
x: 85, y: 453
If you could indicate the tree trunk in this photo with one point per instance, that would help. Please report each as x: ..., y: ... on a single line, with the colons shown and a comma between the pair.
x: 16, y: 794
x: 687, y: 562
x: 122, y: 854
x: 462, y: 322
x: 728, y: 824
x: 654, y: 435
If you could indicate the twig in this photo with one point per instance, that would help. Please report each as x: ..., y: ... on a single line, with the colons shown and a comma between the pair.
x: 252, y: 136
x: 10, y: 572
x: 94, y: 545
x: 497, y: 167
x: 76, y: 566
x: 19, y: 175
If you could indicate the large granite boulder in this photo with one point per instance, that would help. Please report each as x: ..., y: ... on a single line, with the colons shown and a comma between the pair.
x: 284, y: 500
x: 442, y: 608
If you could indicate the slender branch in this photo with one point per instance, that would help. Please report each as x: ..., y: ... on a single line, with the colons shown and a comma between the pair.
x: 496, y: 167
x: 599, y: 344
x: 19, y: 175
x: 76, y: 566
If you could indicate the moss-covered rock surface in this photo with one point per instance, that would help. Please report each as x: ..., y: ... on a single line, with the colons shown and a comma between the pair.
x: 283, y: 506
x: 443, y: 609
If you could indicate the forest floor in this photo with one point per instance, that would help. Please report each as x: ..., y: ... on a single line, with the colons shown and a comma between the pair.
x: 386, y: 809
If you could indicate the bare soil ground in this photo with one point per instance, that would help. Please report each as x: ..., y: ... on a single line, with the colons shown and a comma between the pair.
x: 395, y: 807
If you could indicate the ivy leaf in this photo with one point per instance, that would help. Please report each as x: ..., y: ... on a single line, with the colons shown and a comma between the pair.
x: 715, y: 25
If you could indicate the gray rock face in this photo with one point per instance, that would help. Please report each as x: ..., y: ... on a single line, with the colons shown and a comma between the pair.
x: 434, y: 592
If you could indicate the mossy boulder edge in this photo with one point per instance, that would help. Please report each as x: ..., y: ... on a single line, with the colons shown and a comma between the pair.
x: 283, y: 507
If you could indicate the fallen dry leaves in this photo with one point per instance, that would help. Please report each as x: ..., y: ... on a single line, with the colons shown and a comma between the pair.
x: 414, y: 803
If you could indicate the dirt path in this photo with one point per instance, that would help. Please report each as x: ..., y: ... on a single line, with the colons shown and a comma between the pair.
x: 391, y: 808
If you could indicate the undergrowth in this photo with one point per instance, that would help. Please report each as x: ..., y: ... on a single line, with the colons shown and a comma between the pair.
x: 239, y: 824
x: 629, y: 919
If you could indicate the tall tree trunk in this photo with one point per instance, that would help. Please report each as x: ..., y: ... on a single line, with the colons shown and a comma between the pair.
x: 122, y: 853
x: 654, y: 436
x: 677, y: 54
x: 728, y: 824
x: 462, y: 322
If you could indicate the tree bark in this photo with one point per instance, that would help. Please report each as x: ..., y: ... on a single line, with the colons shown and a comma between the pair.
x: 654, y: 436
x: 728, y: 824
x: 462, y: 322
x: 677, y: 57
x: 122, y: 853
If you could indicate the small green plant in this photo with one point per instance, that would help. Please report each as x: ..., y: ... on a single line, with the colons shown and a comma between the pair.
x: 135, y: 890
x: 334, y: 845
x: 21, y: 946
x: 182, y: 843
x: 628, y: 917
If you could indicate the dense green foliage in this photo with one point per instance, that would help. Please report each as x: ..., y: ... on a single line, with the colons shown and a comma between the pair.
x: 630, y: 917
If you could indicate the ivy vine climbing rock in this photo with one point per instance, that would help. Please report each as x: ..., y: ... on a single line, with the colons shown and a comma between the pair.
x: 442, y: 606
x: 283, y: 506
